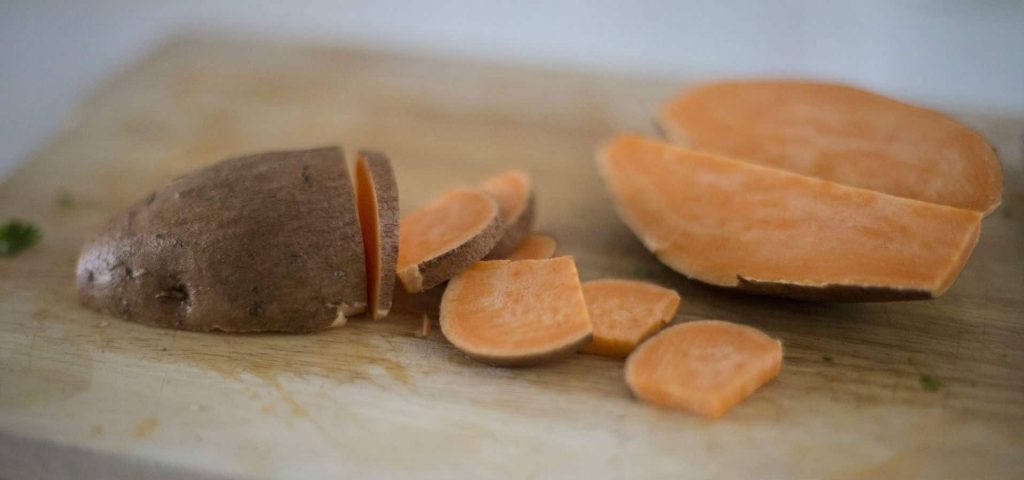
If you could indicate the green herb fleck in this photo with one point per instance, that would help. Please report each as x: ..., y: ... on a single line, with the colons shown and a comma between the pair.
x: 930, y: 383
x: 827, y: 359
x: 65, y: 199
x: 16, y: 236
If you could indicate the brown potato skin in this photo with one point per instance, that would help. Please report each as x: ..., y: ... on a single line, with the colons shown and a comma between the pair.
x: 515, y: 232
x: 386, y: 186
x: 441, y: 268
x: 831, y: 293
x: 266, y: 242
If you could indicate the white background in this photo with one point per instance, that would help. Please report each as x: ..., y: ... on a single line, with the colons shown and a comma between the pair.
x: 965, y: 55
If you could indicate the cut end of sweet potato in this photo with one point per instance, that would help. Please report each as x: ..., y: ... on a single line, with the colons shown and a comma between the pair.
x: 438, y: 241
x: 842, y: 134
x: 625, y: 312
x: 741, y: 225
x: 535, y: 247
x: 516, y: 313
x: 513, y: 191
x: 377, y: 200
x: 706, y: 367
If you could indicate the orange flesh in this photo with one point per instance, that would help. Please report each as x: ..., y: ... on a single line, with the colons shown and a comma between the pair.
x: 503, y: 311
x: 366, y: 202
x: 450, y: 221
x: 717, y: 219
x: 842, y: 134
x: 511, y: 189
x: 535, y: 247
x: 706, y: 367
x: 625, y: 312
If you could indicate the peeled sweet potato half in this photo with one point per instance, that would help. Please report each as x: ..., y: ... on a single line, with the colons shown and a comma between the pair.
x: 377, y: 198
x: 842, y: 134
x: 445, y: 237
x: 266, y: 242
x: 736, y: 224
x: 706, y: 367
x: 513, y: 191
x: 516, y: 313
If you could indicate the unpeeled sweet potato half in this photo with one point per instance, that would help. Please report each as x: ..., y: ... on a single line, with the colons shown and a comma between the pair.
x: 535, y: 247
x: 742, y: 225
x: 842, y: 134
x: 516, y: 313
x: 706, y: 367
x: 377, y: 198
x: 625, y: 312
x: 445, y: 237
x: 513, y: 190
x: 267, y: 242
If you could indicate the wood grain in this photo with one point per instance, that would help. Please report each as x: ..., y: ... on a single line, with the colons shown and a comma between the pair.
x: 80, y: 392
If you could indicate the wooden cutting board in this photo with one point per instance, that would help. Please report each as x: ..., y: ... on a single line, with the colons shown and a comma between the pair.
x: 82, y: 394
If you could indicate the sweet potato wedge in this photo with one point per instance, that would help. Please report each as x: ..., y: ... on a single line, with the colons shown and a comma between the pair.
x: 535, y: 247
x: 441, y: 239
x: 736, y: 224
x: 842, y: 134
x: 513, y: 190
x: 377, y: 198
x: 706, y: 367
x: 266, y: 242
x: 516, y: 313
x: 625, y: 312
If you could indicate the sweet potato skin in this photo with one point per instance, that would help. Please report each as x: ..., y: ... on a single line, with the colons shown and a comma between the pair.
x: 516, y: 232
x: 266, y: 242
x: 386, y: 188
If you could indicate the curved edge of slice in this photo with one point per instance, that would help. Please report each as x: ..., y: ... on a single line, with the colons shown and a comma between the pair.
x: 513, y: 190
x: 626, y: 312
x: 489, y: 285
x: 536, y: 246
x: 420, y: 268
x: 706, y: 366
x: 377, y: 199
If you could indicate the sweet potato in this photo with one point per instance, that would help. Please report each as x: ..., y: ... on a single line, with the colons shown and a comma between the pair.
x: 516, y: 313
x: 534, y: 247
x: 266, y: 242
x: 441, y: 239
x: 377, y: 198
x: 513, y: 190
x: 842, y: 134
x: 625, y: 312
x: 706, y: 367
x: 737, y: 224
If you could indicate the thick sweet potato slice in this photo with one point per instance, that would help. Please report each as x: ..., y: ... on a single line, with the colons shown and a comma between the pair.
x: 706, y: 367
x: 737, y: 224
x: 625, y: 312
x: 377, y: 198
x: 843, y: 134
x: 516, y: 313
x: 438, y: 241
x: 535, y: 247
x: 514, y: 192
x: 267, y: 242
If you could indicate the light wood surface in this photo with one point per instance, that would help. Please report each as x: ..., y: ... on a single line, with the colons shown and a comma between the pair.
x: 97, y: 396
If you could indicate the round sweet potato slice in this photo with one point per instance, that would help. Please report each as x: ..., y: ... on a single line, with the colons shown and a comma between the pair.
x: 266, y: 242
x: 377, y: 198
x: 441, y: 239
x: 516, y: 313
x: 706, y: 367
x: 513, y: 190
x: 625, y: 312
x: 842, y: 134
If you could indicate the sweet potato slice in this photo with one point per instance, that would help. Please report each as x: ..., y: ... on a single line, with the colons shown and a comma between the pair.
x: 513, y: 190
x: 706, y: 367
x: 737, y: 224
x: 625, y: 312
x: 266, y: 242
x: 535, y: 247
x: 438, y: 241
x: 377, y: 198
x: 516, y: 313
x: 842, y: 134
